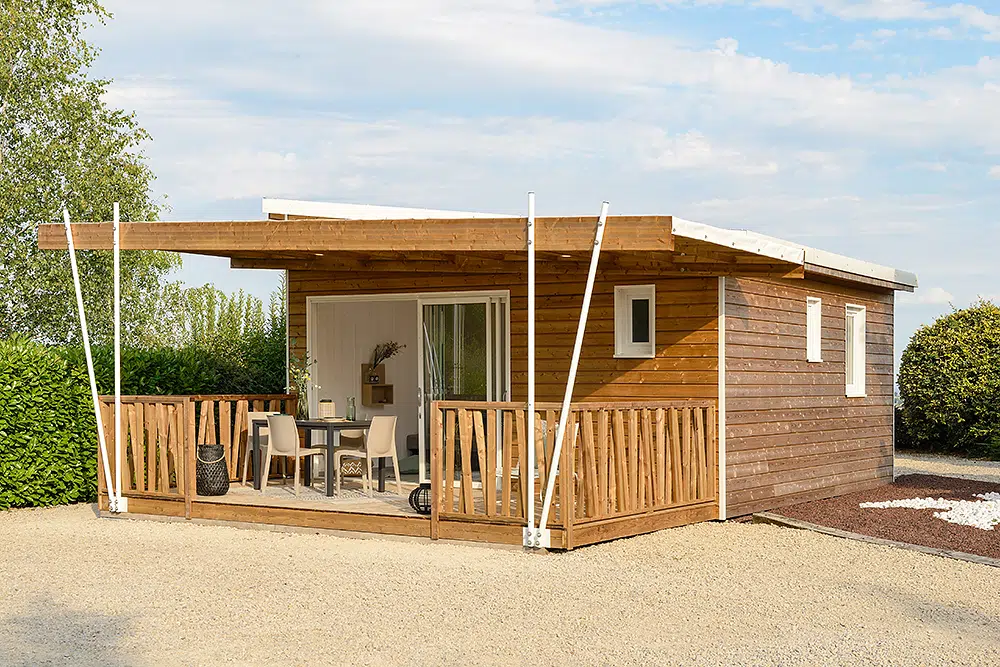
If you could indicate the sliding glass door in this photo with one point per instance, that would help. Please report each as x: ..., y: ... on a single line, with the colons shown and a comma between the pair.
x: 464, y: 355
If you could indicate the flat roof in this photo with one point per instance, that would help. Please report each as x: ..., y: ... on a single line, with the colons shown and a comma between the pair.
x: 812, y: 259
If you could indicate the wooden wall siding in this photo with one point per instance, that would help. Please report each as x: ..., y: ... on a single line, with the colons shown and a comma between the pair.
x: 686, y: 361
x: 791, y: 433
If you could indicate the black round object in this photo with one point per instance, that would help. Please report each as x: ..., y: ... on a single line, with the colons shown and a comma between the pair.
x: 420, y: 499
x: 211, y: 473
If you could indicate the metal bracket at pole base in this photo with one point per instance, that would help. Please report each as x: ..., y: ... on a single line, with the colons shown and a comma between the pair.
x: 537, y: 538
x: 121, y: 506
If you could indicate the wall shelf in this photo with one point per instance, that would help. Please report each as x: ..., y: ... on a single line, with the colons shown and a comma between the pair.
x: 375, y: 394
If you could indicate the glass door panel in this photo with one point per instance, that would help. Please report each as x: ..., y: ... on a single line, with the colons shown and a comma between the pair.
x: 465, y: 357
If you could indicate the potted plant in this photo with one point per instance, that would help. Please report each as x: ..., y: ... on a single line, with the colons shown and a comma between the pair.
x: 300, y: 377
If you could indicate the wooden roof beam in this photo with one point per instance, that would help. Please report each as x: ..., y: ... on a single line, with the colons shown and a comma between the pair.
x: 556, y: 234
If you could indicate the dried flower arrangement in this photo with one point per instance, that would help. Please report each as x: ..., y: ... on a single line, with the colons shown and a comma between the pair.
x: 385, y: 351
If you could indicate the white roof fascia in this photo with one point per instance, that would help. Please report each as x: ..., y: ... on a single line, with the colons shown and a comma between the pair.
x: 364, y: 211
x: 858, y: 267
x: 757, y: 244
x: 789, y: 251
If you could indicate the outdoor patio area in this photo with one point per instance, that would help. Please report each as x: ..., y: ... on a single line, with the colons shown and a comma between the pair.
x: 352, y: 497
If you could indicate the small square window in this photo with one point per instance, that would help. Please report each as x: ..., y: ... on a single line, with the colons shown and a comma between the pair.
x: 635, y: 321
x: 814, y: 329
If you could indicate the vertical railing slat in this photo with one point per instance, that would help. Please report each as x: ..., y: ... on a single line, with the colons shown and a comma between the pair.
x: 489, y: 477
x: 621, y: 463
x: 602, y: 463
x: 649, y: 462
x: 712, y: 447
x: 479, y: 441
x: 226, y: 434
x: 676, y: 460
x: 449, y: 461
x: 466, y: 502
x: 437, y: 492
x: 522, y: 447
x: 591, y: 464
x: 508, y: 462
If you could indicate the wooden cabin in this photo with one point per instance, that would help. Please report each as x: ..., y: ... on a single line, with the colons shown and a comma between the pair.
x: 722, y: 372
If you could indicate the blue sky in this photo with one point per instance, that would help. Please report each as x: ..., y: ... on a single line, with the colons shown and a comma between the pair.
x: 865, y: 127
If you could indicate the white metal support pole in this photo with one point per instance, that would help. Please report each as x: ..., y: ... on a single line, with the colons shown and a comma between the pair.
x: 118, y: 359
x: 90, y: 362
x: 529, y: 473
x: 542, y: 532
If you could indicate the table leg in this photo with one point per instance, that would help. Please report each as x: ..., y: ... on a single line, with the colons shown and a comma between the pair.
x: 332, y: 439
x: 381, y: 474
x: 308, y: 459
x: 255, y: 457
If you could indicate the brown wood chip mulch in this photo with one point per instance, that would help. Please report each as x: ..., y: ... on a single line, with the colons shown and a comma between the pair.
x: 905, y: 525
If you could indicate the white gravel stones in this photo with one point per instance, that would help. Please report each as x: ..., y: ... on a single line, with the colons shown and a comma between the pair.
x: 983, y: 513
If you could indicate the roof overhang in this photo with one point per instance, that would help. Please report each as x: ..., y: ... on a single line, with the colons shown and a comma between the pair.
x: 298, y: 233
x: 483, y: 234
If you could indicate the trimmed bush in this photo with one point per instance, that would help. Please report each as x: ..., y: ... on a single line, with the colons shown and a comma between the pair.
x: 252, y: 366
x: 48, y: 436
x: 949, y: 381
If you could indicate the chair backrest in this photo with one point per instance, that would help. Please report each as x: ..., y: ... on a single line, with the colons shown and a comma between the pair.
x: 283, y: 439
x: 252, y: 416
x: 382, y: 436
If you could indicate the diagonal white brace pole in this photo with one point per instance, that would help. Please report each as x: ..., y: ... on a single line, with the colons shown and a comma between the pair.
x: 90, y: 363
x: 118, y: 360
x: 541, y: 533
x: 529, y: 471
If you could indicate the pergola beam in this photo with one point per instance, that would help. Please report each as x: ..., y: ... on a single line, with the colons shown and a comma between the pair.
x: 554, y: 234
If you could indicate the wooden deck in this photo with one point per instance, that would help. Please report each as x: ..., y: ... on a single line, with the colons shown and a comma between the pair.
x: 631, y: 469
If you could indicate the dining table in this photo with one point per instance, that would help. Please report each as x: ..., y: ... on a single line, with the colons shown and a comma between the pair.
x: 332, y: 428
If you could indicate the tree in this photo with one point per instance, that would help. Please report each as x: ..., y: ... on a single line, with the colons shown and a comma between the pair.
x: 949, y: 381
x: 60, y: 144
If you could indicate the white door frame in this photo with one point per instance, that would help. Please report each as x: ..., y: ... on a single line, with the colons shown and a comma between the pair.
x: 419, y: 299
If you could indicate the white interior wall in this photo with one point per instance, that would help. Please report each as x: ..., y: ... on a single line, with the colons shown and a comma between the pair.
x: 343, y: 336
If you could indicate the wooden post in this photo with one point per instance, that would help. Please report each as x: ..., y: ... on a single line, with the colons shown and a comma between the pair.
x: 437, y: 426
x: 190, y: 449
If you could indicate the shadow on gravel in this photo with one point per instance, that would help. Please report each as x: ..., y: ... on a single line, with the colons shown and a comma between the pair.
x: 57, y: 635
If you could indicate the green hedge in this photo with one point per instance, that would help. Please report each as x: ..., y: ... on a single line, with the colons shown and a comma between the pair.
x: 255, y: 365
x: 949, y: 382
x: 48, y: 436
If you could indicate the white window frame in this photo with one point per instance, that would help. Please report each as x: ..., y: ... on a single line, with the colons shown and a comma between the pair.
x: 814, y: 329
x: 855, y: 344
x: 625, y: 347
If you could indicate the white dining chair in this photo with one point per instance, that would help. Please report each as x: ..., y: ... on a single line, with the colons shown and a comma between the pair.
x: 251, y: 417
x: 283, y: 440
x: 379, y: 442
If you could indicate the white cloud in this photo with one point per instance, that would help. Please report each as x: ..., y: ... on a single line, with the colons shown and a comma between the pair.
x: 727, y: 46
x: 692, y: 150
x: 994, y: 171
x: 939, y: 167
x: 926, y: 296
x: 805, y: 48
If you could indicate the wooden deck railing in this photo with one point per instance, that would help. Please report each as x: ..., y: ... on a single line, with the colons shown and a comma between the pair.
x: 158, y: 434
x: 618, y: 460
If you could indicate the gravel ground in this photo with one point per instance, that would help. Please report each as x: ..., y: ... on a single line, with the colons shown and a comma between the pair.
x: 909, y: 463
x: 85, y: 591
